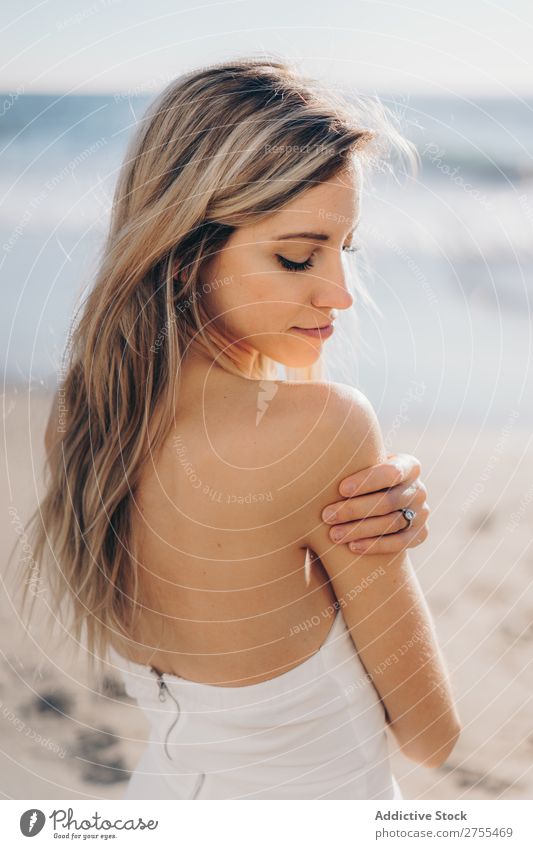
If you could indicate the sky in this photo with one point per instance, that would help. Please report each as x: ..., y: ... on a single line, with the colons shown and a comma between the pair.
x: 461, y: 47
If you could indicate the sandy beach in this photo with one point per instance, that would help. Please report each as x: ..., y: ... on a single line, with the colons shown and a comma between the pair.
x: 61, y: 736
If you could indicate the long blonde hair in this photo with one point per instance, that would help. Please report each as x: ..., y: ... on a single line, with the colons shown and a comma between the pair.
x: 217, y: 145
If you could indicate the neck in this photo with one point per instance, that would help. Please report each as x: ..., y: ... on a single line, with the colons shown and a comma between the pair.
x: 240, y: 359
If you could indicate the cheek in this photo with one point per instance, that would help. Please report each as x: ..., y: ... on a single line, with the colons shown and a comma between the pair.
x: 231, y: 304
x: 266, y: 305
x: 248, y: 295
x: 271, y: 293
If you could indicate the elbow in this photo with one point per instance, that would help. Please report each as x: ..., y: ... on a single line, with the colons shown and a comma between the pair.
x: 440, y: 756
x: 434, y: 752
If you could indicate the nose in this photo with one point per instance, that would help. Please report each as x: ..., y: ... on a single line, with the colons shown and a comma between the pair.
x: 330, y: 288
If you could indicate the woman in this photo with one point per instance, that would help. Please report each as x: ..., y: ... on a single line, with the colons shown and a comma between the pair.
x: 187, y: 489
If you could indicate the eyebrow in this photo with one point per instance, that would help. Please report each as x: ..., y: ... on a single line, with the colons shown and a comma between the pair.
x: 320, y: 237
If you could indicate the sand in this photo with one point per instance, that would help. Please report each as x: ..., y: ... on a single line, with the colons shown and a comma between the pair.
x: 63, y: 737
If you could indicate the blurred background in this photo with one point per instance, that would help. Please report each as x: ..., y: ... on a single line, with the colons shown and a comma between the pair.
x: 448, y: 258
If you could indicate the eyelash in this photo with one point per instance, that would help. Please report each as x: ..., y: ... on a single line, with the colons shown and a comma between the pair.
x: 290, y: 265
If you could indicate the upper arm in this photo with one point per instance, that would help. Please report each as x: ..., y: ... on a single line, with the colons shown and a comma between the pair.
x: 379, y: 594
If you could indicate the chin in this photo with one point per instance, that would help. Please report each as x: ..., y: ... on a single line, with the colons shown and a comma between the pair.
x: 296, y: 356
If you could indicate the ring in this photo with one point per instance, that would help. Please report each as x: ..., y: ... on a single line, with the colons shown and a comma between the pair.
x: 409, y: 515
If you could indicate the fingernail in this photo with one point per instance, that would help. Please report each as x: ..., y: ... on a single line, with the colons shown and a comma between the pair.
x: 348, y: 489
x: 337, y: 534
x: 328, y: 515
x: 356, y: 546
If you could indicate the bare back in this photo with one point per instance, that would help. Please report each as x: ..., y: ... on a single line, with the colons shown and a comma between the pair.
x: 222, y: 573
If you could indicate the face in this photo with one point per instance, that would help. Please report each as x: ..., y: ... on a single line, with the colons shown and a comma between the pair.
x: 276, y: 282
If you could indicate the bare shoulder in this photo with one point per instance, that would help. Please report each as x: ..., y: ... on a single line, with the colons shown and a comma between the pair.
x: 334, y: 431
x: 274, y: 419
x: 320, y: 405
x: 343, y: 412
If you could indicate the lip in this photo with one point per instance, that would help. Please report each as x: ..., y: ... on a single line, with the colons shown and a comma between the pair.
x: 316, y: 332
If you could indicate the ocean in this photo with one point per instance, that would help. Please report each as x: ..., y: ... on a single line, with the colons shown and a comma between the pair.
x: 448, y: 255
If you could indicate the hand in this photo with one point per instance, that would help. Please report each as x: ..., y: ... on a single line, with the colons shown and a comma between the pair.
x: 371, y: 514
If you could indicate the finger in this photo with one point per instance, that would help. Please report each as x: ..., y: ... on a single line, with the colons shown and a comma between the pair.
x: 408, y: 465
x: 371, y: 479
x: 376, y: 504
x: 370, y: 528
x: 391, y: 543
x: 396, y: 469
x: 340, y: 511
x: 406, y: 494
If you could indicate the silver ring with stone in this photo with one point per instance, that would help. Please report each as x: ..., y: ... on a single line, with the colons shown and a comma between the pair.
x: 409, y: 515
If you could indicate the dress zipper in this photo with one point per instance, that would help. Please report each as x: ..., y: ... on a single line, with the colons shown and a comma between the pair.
x: 163, y: 692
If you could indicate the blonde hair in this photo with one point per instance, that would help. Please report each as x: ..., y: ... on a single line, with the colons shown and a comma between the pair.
x: 218, y: 145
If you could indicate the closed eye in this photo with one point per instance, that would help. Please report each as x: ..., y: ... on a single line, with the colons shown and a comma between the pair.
x: 291, y: 265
